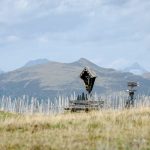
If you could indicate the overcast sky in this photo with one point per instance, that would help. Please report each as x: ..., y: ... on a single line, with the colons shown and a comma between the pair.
x: 111, y: 33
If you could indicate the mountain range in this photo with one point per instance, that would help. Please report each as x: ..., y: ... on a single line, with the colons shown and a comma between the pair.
x: 146, y: 75
x: 135, y: 68
x: 49, y: 79
x: 1, y: 71
x: 36, y: 62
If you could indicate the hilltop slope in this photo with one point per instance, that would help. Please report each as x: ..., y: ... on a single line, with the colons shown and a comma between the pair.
x: 107, y: 129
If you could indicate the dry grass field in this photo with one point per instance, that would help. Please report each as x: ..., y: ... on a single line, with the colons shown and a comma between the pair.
x: 103, y: 130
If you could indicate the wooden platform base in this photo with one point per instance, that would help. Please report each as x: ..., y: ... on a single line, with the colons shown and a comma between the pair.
x: 84, y: 105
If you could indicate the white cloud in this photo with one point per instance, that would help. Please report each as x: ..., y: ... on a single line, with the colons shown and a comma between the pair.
x: 109, y: 29
x: 119, y: 63
x: 12, y: 38
x: 9, y: 39
x: 43, y: 39
x: 22, y: 5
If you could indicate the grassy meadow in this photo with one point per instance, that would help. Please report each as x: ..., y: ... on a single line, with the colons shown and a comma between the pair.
x: 102, y: 130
